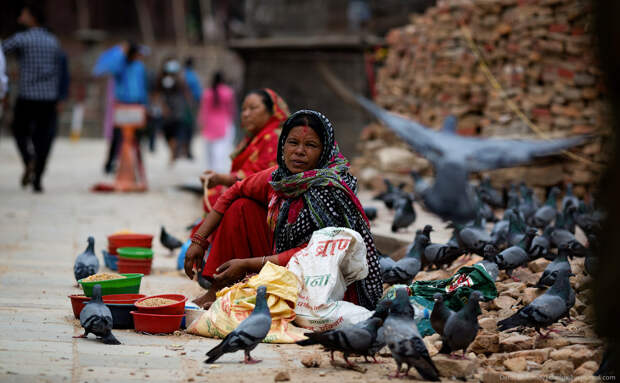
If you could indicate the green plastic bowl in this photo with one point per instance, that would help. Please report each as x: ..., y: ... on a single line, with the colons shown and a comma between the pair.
x: 135, y: 252
x: 128, y: 285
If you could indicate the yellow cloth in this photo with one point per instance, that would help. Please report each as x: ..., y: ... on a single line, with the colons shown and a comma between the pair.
x: 235, y: 303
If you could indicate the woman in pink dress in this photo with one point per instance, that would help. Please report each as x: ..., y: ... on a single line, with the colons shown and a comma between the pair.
x: 216, y: 116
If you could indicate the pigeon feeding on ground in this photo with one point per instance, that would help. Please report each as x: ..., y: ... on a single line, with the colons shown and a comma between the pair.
x: 354, y: 339
x: 547, y: 212
x: 488, y: 263
x: 248, y: 333
x: 569, y: 198
x: 545, y: 310
x: 552, y: 270
x: 96, y: 318
x: 515, y: 256
x: 403, y: 271
x: 440, y: 314
x: 404, y: 214
x: 87, y: 263
x: 404, y: 341
x: 168, y: 241
x: 454, y: 157
x: 462, y: 327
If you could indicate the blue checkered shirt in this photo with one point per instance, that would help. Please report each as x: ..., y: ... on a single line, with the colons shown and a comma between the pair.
x: 38, y: 53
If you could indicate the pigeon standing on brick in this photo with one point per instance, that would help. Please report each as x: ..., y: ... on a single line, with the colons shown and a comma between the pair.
x: 462, y: 327
x: 404, y: 340
x: 440, y: 314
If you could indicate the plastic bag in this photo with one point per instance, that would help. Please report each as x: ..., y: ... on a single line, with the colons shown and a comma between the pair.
x: 334, y: 258
x: 235, y: 303
x: 455, y: 290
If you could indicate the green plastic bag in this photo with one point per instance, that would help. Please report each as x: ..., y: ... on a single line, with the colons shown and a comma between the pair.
x: 455, y: 290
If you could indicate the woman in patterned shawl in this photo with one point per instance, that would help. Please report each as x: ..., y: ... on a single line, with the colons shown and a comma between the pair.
x: 272, y: 214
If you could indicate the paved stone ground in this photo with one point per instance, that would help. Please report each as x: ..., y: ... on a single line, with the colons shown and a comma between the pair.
x: 41, y: 235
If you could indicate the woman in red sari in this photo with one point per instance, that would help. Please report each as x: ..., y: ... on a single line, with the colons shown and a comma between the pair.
x: 262, y: 112
x: 272, y: 214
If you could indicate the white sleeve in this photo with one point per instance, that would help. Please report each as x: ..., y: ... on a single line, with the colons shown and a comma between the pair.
x: 3, y: 79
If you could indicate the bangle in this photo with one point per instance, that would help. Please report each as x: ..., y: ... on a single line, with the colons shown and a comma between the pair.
x: 263, y: 263
x: 199, y: 240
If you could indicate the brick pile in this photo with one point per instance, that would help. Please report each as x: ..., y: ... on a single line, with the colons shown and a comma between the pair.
x: 540, y: 51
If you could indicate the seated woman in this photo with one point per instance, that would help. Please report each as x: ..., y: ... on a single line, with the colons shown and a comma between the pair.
x: 262, y: 113
x: 273, y: 213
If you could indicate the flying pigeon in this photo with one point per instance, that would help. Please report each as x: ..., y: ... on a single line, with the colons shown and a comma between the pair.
x: 454, y: 157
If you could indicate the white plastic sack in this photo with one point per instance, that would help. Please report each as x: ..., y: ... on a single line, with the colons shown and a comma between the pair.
x: 334, y: 258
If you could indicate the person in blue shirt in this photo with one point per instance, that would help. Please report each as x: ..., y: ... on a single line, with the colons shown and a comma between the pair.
x: 192, y: 80
x: 123, y: 62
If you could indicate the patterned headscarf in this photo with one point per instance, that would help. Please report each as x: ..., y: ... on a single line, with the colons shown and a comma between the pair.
x: 319, y: 198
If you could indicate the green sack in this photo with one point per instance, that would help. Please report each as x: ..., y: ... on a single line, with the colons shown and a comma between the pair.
x: 455, y: 290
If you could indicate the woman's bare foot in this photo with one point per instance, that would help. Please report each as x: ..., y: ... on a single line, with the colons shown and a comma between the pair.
x: 206, y: 300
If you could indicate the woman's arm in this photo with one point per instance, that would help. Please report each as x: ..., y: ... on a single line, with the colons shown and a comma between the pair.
x: 195, y: 252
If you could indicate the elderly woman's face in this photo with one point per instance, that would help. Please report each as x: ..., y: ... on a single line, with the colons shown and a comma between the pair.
x: 254, y: 114
x: 302, y: 149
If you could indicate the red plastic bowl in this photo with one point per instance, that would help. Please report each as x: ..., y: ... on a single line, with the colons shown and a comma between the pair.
x: 129, y: 240
x: 122, y: 299
x: 177, y: 308
x: 156, y: 324
x: 133, y: 265
x: 78, y: 301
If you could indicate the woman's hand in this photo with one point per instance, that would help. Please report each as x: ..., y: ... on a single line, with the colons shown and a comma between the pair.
x: 193, y: 257
x: 231, y: 271
x: 214, y: 179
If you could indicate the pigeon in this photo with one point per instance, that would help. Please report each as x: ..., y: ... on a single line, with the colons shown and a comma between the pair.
x: 96, y: 318
x: 404, y: 214
x: 546, y: 213
x: 528, y: 205
x: 87, y: 263
x: 391, y: 193
x: 248, y: 333
x: 440, y: 314
x: 540, y: 246
x: 168, y: 241
x: 462, y: 327
x: 356, y: 339
x: 405, y: 269
x: 516, y: 228
x: 371, y: 213
x: 381, y: 311
x: 442, y: 254
x: 552, y: 270
x: 545, y: 310
x: 454, y: 157
x: 385, y: 264
x: 474, y: 237
x: 489, y: 195
x: 569, y: 198
x: 562, y: 238
x: 488, y: 263
x: 587, y: 221
x: 515, y: 256
x: 564, y: 220
x: 499, y: 233
x: 485, y: 210
x: 404, y: 341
